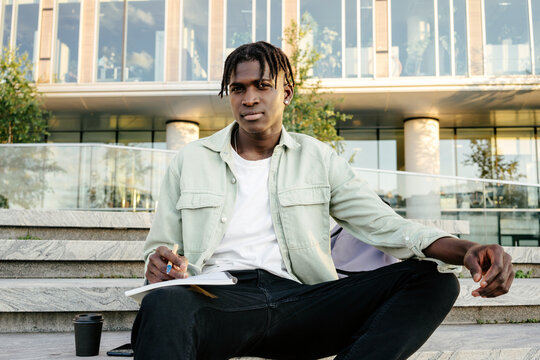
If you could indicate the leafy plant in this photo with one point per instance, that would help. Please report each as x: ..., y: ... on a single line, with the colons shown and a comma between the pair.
x: 520, y: 274
x: 21, y: 118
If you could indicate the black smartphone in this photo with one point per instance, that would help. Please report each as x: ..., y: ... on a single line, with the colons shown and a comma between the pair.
x: 124, y: 350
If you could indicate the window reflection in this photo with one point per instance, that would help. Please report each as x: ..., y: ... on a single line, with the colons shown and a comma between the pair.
x: 6, y: 23
x: 239, y: 23
x: 445, y: 41
x: 460, y: 37
x: 195, y: 40
x: 366, y: 37
x: 507, y: 37
x: 535, y: 11
x: 109, y: 63
x: 67, y: 41
x: 475, y: 149
x: 145, y: 40
x: 26, y: 35
x: 351, y: 39
x: 413, y: 46
x: 447, y: 152
x: 276, y: 22
x: 324, y: 18
x: 260, y: 20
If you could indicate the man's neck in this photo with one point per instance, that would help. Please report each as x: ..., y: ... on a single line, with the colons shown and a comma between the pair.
x: 254, y: 147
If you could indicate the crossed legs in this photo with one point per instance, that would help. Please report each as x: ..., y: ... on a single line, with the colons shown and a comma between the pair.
x: 385, y: 314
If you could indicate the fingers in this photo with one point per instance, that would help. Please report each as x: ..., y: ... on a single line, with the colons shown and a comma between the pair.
x: 157, y: 265
x: 498, y: 274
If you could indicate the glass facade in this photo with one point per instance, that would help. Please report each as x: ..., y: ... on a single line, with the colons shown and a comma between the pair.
x: 20, y: 19
x: 194, y: 58
x: 7, y: 18
x: 66, y: 48
x: 507, y: 36
x: 535, y: 11
x: 413, y: 38
x: 324, y: 18
x: 140, y: 25
x: 110, y: 40
x: 249, y: 21
x: 145, y: 40
x: 129, y: 130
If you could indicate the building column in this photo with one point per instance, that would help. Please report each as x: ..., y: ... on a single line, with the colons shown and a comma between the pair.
x: 181, y: 132
x: 421, y: 137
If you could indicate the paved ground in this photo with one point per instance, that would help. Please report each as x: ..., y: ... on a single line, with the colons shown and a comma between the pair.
x: 455, y: 342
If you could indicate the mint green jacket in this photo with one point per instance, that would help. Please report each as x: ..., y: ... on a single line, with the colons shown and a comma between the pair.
x: 308, y: 183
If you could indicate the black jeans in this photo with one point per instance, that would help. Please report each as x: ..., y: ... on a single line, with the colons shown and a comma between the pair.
x: 383, y: 314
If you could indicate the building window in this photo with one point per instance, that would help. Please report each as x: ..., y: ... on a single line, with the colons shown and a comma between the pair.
x: 7, y: 16
x: 195, y: 20
x: 358, y: 38
x: 67, y: 41
x: 21, y: 18
x: 507, y: 37
x: 145, y: 50
x: 324, y: 19
x: 427, y: 45
x: 535, y: 12
x: 413, y: 38
x: 110, y: 39
x: 249, y: 20
x: 239, y: 23
x: 342, y: 33
x: 131, y: 37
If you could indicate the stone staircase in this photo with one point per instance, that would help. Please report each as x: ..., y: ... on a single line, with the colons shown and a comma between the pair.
x: 54, y: 264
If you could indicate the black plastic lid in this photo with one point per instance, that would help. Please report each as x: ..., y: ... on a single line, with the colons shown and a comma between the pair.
x: 88, y: 317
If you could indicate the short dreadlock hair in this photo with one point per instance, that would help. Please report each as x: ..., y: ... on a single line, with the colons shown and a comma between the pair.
x: 262, y: 52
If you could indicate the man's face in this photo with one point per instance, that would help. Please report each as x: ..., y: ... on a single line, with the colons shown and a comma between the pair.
x: 257, y: 104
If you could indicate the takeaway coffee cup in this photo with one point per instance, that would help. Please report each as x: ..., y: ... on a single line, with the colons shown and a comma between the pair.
x: 87, y: 334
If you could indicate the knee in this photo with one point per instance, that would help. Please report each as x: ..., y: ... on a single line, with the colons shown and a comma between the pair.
x: 445, y: 286
x: 165, y: 300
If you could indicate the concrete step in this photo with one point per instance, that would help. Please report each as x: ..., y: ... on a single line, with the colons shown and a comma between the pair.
x: 121, y: 258
x: 45, y: 305
x: 74, y: 225
x: 456, y: 342
x: 71, y: 259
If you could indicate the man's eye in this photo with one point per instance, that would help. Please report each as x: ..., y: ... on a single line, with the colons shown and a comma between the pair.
x: 235, y: 89
x: 263, y: 86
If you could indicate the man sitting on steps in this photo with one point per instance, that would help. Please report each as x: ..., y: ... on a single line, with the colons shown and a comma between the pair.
x: 255, y: 200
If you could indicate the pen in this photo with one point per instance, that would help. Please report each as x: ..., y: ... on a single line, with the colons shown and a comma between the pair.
x: 169, y: 264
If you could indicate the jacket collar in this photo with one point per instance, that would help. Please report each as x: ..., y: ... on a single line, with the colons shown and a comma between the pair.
x: 221, y: 140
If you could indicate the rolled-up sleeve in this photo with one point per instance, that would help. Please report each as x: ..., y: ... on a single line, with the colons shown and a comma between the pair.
x: 360, y: 211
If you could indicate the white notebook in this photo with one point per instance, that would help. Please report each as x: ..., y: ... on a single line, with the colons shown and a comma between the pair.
x: 215, y: 278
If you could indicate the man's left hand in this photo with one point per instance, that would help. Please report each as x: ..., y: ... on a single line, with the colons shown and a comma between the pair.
x: 492, y: 267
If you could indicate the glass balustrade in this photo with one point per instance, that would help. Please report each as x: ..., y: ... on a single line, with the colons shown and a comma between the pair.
x: 117, y: 178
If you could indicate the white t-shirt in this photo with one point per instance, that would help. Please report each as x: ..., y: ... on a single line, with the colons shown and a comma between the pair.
x: 250, y: 240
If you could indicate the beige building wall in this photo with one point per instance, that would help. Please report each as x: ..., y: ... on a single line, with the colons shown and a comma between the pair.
x: 88, y: 40
x: 290, y: 13
x: 381, y: 38
x: 216, y: 39
x: 173, y: 40
x: 45, y: 43
x: 476, y: 38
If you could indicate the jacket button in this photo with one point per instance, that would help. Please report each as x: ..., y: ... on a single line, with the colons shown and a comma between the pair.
x: 233, y: 180
x: 223, y: 219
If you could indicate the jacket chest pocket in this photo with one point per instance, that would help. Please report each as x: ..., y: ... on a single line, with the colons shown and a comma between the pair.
x: 199, y: 219
x: 305, y: 215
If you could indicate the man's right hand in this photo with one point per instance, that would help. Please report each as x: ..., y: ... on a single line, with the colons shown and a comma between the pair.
x: 157, y: 266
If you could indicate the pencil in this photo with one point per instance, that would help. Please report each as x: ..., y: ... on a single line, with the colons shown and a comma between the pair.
x: 169, y: 264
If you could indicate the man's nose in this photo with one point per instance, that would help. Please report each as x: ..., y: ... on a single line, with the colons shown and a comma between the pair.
x: 250, y: 97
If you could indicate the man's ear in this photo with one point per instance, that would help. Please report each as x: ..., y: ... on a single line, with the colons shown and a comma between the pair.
x: 288, y: 92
